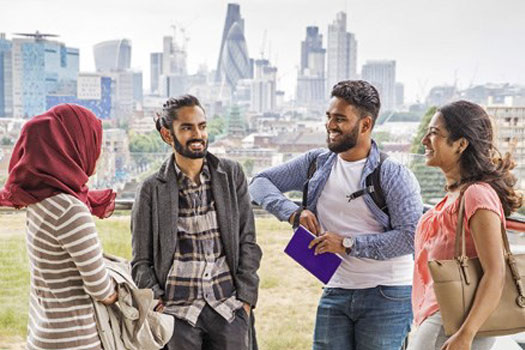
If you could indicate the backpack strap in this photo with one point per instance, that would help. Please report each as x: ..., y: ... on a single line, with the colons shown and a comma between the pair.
x: 373, y: 180
x: 311, y: 170
x: 373, y: 186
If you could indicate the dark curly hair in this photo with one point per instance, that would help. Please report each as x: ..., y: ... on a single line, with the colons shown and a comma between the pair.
x: 360, y: 94
x: 170, y: 108
x: 481, y: 161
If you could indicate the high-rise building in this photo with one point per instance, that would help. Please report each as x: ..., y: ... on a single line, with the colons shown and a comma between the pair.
x: 510, y: 130
x: 93, y: 92
x: 123, y: 93
x: 311, y: 80
x: 173, y: 80
x: 234, y: 62
x: 6, y: 77
x: 112, y: 55
x: 400, y: 94
x: 155, y: 71
x: 41, y: 68
x: 113, y: 60
x: 137, y: 88
x: 173, y: 57
x: 341, y: 52
x: 233, y: 15
x: 382, y: 74
x: 263, y: 94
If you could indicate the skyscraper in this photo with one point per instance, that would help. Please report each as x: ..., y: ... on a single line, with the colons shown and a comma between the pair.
x: 6, y: 77
x: 400, y: 94
x: 41, y: 68
x: 263, y: 95
x: 341, y: 52
x: 311, y: 78
x: 234, y: 62
x: 112, y: 55
x: 174, y: 75
x: 233, y: 15
x: 155, y: 71
x: 113, y: 60
x: 382, y: 74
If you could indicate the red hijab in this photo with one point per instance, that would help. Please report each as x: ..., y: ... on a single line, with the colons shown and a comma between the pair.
x: 56, y: 153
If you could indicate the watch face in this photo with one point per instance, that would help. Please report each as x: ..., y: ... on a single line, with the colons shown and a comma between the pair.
x: 348, y: 242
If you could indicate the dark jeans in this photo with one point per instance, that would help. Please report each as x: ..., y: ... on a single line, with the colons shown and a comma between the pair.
x: 363, y: 319
x: 212, y: 332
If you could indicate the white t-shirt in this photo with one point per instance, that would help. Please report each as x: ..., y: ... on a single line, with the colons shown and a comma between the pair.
x: 354, y: 218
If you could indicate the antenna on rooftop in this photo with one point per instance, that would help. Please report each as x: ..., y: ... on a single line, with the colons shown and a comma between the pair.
x: 263, y: 44
x: 37, y: 35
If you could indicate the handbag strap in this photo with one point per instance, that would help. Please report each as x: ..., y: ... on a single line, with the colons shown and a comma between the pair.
x: 460, y: 250
x: 461, y: 256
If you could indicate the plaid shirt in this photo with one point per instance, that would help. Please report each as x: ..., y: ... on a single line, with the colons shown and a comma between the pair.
x: 199, y: 274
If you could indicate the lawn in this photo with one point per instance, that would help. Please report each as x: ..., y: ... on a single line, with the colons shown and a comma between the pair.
x: 287, y: 298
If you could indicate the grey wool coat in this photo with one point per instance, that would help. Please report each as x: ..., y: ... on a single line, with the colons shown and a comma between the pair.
x: 154, y: 227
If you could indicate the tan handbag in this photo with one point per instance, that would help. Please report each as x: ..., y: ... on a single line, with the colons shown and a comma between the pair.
x: 456, y: 282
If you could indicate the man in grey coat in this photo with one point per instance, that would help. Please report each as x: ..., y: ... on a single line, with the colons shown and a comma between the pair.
x: 193, y: 237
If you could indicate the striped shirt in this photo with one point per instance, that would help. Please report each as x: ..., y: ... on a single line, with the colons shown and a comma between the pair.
x: 66, y: 265
x: 199, y: 274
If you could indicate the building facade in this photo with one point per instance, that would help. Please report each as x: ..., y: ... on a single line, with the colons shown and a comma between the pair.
x: 6, y: 78
x: 113, y: 55
x: 341, y: 52
x: 93, y: 92
x: 382, y: 74
x: 263, y: 93
x: 509, y: 123
x: 311, y: 79
x: 41, y: 68
x: 155, y: 71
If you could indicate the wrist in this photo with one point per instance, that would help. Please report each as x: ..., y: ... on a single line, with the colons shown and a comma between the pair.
x: 292, y: 218
x: 467, y: 332
x: 347, y: 243
x: 295, y: 218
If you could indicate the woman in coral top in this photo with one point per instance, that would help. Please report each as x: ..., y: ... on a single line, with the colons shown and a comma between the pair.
x: 459, y: 141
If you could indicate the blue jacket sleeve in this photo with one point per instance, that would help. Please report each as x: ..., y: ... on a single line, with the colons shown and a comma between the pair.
x: 268, y: 187
x: 402, y: 194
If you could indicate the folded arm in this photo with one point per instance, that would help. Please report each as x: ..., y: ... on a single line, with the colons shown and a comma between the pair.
x: 268, y: 187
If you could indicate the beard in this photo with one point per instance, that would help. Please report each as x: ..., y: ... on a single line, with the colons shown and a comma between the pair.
x: 184, y: 150
x: 346, y: 141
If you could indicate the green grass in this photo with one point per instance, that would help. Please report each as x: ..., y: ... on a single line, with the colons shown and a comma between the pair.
x: 287, y: 298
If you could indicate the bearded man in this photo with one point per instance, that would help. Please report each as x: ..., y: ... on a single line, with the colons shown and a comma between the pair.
x: 193, y: 237
x: 366, y: 304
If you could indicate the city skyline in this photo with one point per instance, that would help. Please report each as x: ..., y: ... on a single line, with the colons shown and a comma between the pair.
x: 466, y: 42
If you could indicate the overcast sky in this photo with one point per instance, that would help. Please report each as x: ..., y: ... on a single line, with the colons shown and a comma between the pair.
x: 433, y: 41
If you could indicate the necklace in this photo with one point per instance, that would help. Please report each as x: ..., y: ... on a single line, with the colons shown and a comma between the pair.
x: 452, y: 186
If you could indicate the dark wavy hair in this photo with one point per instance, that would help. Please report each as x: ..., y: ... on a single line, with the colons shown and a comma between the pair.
x: 481, y: 161
x: 360, y: 94
x: 170, y: 108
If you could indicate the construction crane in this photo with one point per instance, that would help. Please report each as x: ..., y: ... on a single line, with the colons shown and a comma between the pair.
x: 37, y: 35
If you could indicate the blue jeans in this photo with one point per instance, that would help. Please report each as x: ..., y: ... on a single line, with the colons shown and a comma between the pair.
x: 363, y: 319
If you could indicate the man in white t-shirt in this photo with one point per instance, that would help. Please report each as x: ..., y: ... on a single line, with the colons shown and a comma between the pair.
x: 366, y: 304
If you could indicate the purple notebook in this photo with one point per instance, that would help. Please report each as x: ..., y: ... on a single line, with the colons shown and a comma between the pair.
x: 322, y: 266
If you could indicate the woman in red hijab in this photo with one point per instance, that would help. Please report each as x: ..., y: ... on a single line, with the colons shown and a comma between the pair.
x: 49, y: 169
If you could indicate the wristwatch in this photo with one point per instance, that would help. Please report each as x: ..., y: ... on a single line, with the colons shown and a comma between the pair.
x: 348, y: 243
